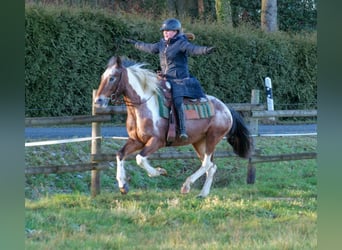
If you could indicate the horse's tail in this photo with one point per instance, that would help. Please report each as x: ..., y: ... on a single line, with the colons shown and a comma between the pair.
x: 239, y: 136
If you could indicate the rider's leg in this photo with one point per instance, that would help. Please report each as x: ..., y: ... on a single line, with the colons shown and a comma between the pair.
x: 179, y: 106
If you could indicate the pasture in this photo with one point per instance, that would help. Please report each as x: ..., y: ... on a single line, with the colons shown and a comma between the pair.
x: 278, y: 212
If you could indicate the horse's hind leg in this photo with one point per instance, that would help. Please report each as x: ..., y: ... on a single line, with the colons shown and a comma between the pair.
x: 208, y: 181
x: 206, y: 166
x: 205, y: 150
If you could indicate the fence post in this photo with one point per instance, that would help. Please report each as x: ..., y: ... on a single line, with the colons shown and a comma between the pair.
x: 95, y: 149
x: 251, y: 172
x: 253, y: 122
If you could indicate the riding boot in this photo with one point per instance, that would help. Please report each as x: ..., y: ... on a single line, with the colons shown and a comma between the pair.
x: 181, y: 121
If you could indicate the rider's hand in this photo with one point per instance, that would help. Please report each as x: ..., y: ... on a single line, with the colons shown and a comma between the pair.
x: 127, y: 40
x: 210, y: 50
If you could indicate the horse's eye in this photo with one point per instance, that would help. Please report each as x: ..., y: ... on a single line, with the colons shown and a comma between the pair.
x: 111, y: 79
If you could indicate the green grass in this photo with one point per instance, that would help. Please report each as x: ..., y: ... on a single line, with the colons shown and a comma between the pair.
x: 278, y: 212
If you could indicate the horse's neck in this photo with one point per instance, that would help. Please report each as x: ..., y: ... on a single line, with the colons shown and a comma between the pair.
x: 134, y: 95
x: 143, y: 102
x: 146, y: 108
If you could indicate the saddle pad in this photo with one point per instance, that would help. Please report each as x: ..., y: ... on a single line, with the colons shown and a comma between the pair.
x: 163, y: 110
x: 192, y: 110
x: 199, y: 110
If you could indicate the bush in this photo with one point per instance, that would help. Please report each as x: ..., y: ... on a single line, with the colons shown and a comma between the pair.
x: 67, y: 50
x: 65, y: 54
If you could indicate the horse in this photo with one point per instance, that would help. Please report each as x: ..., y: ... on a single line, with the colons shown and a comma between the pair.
x: 147, y: 129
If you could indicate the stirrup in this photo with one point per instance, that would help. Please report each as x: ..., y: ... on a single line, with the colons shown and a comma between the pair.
x: 183, y: 136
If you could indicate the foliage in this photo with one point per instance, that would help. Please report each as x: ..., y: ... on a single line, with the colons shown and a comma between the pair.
x: 278, y: 212
x: 246, y: 57
x: 67, y: 49
x: 293, y: 15
x: 64, y: 57
x: 297, y: 15
x: 245, y: 11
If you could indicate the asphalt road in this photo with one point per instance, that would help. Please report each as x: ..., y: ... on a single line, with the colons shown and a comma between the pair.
x: 72, y: 132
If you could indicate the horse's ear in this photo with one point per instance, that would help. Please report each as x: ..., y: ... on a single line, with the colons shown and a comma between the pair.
x: 118, y: 61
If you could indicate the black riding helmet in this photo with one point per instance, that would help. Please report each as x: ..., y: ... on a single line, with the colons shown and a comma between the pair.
x: 171, y: 24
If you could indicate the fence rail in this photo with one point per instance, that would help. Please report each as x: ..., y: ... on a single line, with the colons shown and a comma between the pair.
x: 82, y: 167
x: 105, y: 115
x: 283, y: 113
x: 78, y: 119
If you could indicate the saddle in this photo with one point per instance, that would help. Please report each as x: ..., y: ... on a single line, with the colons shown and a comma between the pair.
x: 193, y: 108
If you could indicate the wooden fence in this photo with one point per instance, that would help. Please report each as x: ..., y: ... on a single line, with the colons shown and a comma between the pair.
x: 99, y: 161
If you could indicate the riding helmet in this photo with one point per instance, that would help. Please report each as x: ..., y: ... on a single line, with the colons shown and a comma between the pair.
x: 171, y: 24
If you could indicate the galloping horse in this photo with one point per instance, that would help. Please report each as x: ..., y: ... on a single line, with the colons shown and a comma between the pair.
x: 147, y: 129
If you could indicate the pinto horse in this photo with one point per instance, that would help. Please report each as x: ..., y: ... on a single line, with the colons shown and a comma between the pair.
x: 147, y: 129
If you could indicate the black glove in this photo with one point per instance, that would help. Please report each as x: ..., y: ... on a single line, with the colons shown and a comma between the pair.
x: 127, y: 40
x: 210, y: 50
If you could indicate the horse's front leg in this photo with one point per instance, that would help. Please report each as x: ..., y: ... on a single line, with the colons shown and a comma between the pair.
x: 121, y: 175
x: 150, y: 147
x: 130, y: 147
x: 143, y: 162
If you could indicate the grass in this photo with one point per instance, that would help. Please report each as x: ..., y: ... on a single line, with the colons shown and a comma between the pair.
x: 278, y: 212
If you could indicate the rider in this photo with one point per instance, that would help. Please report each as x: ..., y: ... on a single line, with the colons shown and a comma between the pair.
x: 174, y: 49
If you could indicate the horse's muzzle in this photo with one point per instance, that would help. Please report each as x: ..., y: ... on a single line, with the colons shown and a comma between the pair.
x: 102, y: 102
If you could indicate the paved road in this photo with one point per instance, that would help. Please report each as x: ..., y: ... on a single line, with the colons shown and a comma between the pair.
x: 71, y: 132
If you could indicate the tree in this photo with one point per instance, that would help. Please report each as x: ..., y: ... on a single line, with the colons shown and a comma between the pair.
x: 269, y: 15
x: 294, y: 15
x: 192, y: 8
x: 245, y: 12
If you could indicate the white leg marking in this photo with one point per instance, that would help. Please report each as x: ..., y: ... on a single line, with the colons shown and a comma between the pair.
x: 120, y: 172
x: 143, y: 163
x: 206, y: 164
x: 208, y: 181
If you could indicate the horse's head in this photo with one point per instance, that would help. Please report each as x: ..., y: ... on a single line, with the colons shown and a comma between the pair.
x: 112, y: 83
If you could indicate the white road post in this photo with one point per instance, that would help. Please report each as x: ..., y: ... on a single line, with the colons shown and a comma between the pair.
x: 269, y: 96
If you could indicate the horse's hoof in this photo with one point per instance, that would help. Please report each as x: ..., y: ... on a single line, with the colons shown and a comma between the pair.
x: 200, y: 197
x: 124, y: 189
x: 185, y: 189
x: 162, y: 171
x: 184, y: 137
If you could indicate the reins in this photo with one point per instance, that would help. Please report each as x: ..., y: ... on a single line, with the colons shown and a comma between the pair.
x: 132, y: 104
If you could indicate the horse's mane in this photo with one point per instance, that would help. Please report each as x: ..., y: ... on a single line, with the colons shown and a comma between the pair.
x: 147, y: 78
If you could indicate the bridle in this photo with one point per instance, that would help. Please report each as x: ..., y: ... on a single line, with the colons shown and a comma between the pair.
x: 113, y: 97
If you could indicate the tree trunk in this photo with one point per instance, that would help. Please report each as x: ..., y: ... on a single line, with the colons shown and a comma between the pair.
x: 269, y: 15
x: 200, y: 8
x: 192, y: 8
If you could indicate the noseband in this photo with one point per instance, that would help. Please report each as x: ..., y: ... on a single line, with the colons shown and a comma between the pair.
x: 114, y: 96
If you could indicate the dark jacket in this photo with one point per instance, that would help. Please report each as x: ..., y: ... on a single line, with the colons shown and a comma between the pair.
x: 173, y: 55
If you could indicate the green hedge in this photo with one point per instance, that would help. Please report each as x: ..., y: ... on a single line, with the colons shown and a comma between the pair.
x: 67, y: 50
x: 65, y: 54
